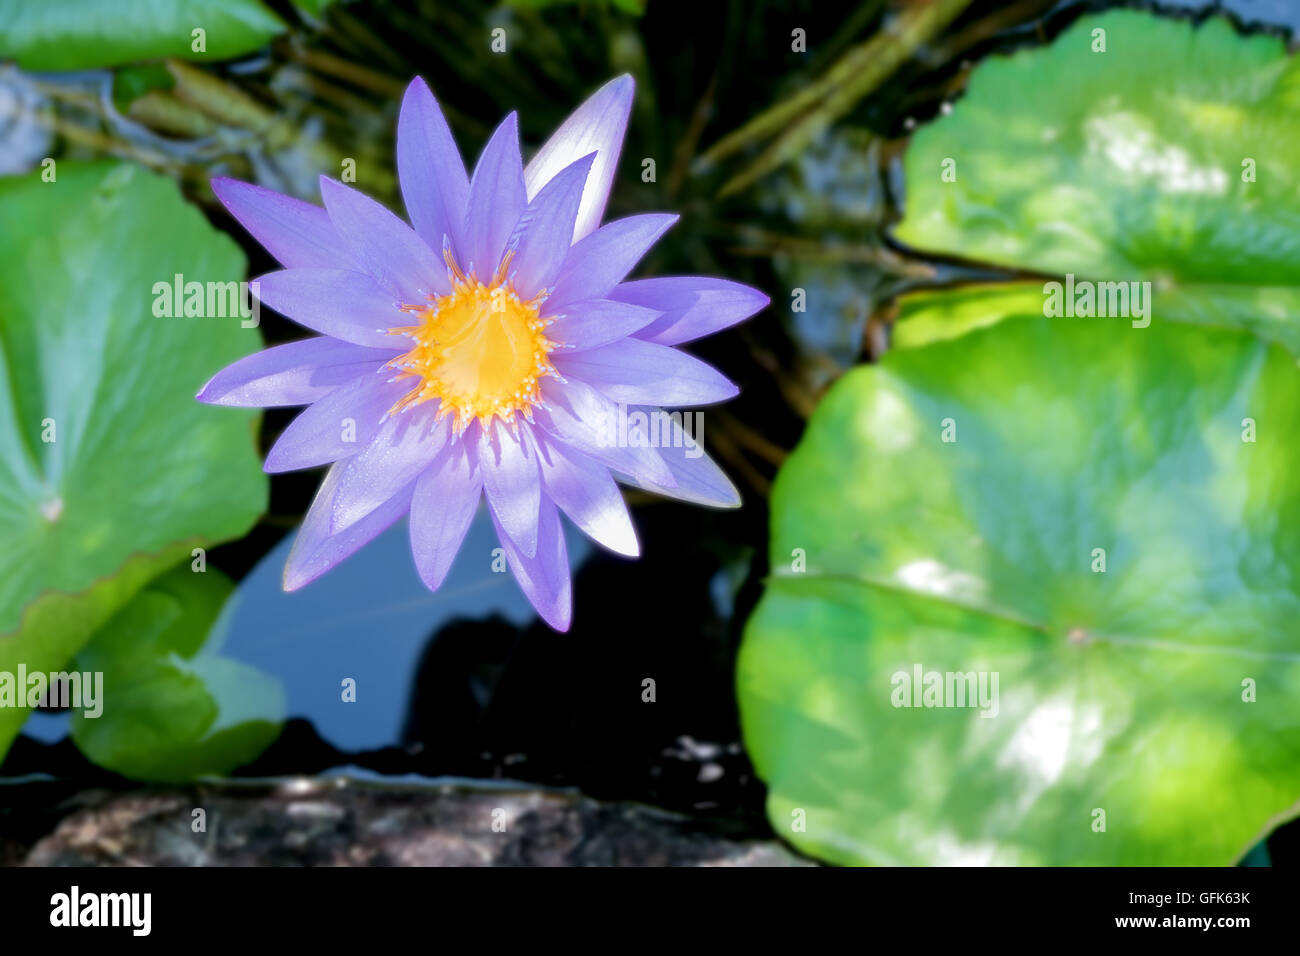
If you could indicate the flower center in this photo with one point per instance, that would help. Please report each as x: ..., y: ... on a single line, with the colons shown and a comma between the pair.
x: 480, y: 350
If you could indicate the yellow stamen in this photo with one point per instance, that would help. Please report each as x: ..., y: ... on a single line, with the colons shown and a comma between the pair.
x: 480, y: 350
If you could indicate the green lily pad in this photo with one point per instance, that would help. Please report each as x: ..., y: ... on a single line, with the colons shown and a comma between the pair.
x: 1162, y: 691
x: 1169, y: 158
x: 173, y: 708
x: 1098, y: 512
x: 86, y: 34
x: 110, y: 472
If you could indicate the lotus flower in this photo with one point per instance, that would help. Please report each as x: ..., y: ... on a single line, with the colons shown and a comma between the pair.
x: 480, y: 350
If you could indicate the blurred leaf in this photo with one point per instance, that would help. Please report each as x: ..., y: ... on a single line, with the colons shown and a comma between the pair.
x: 137, y: 473
x: 85, y: 34
x: 1128, y: 164
x: 315, y: 7
x: 1120, y: 691
x: 1167, y: 446
x: 634, y: 7
x: 937, y: 316
x: 173, y: 709
x: 132, y: 82
x: 801, y: 118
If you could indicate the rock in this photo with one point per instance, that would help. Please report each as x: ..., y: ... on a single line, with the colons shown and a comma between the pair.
x: 344, y: 822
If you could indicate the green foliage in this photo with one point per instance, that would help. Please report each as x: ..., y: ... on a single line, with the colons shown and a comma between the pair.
x: 1166, y: 158
x: 132, y: 82
x: 84, y: 34
x: 110, y: 472
x: 634, y: 7
x: 173, y: 708
x: 1103, y: 516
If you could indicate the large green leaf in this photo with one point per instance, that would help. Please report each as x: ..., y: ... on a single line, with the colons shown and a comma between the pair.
x: 1169, y: 157
x: 83, y: 34
x: 137, y: 473
x: 1157, y: 694
x: 173, y: 708
x: 1119, y: 690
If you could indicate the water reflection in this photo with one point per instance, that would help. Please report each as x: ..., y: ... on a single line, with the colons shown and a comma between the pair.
x: 367, y: 620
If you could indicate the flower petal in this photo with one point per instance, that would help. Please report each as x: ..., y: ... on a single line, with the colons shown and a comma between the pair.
x: 387, y: 248
x: 586, y: 493
x: 403, y: 447
x: 513, y: 486
x: 581, y: 417
x: 297, y: 373
x: 496, y: 200
x: 601, y: 261
x: 692, y: 306
x: 598, y: 125
x: 595, y: 322
x: 316, y: 551
x: 345, y: 305
x: 338, y: 426
x: 541, y: 238
x: 432, y: 175
x: 446, y: 497
x: 642, y: 373
x: 544, y: 577
x: 297, y: 233
x: 697, y: 479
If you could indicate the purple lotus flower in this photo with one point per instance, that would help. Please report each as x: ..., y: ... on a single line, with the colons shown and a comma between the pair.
x: 484, y: 349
